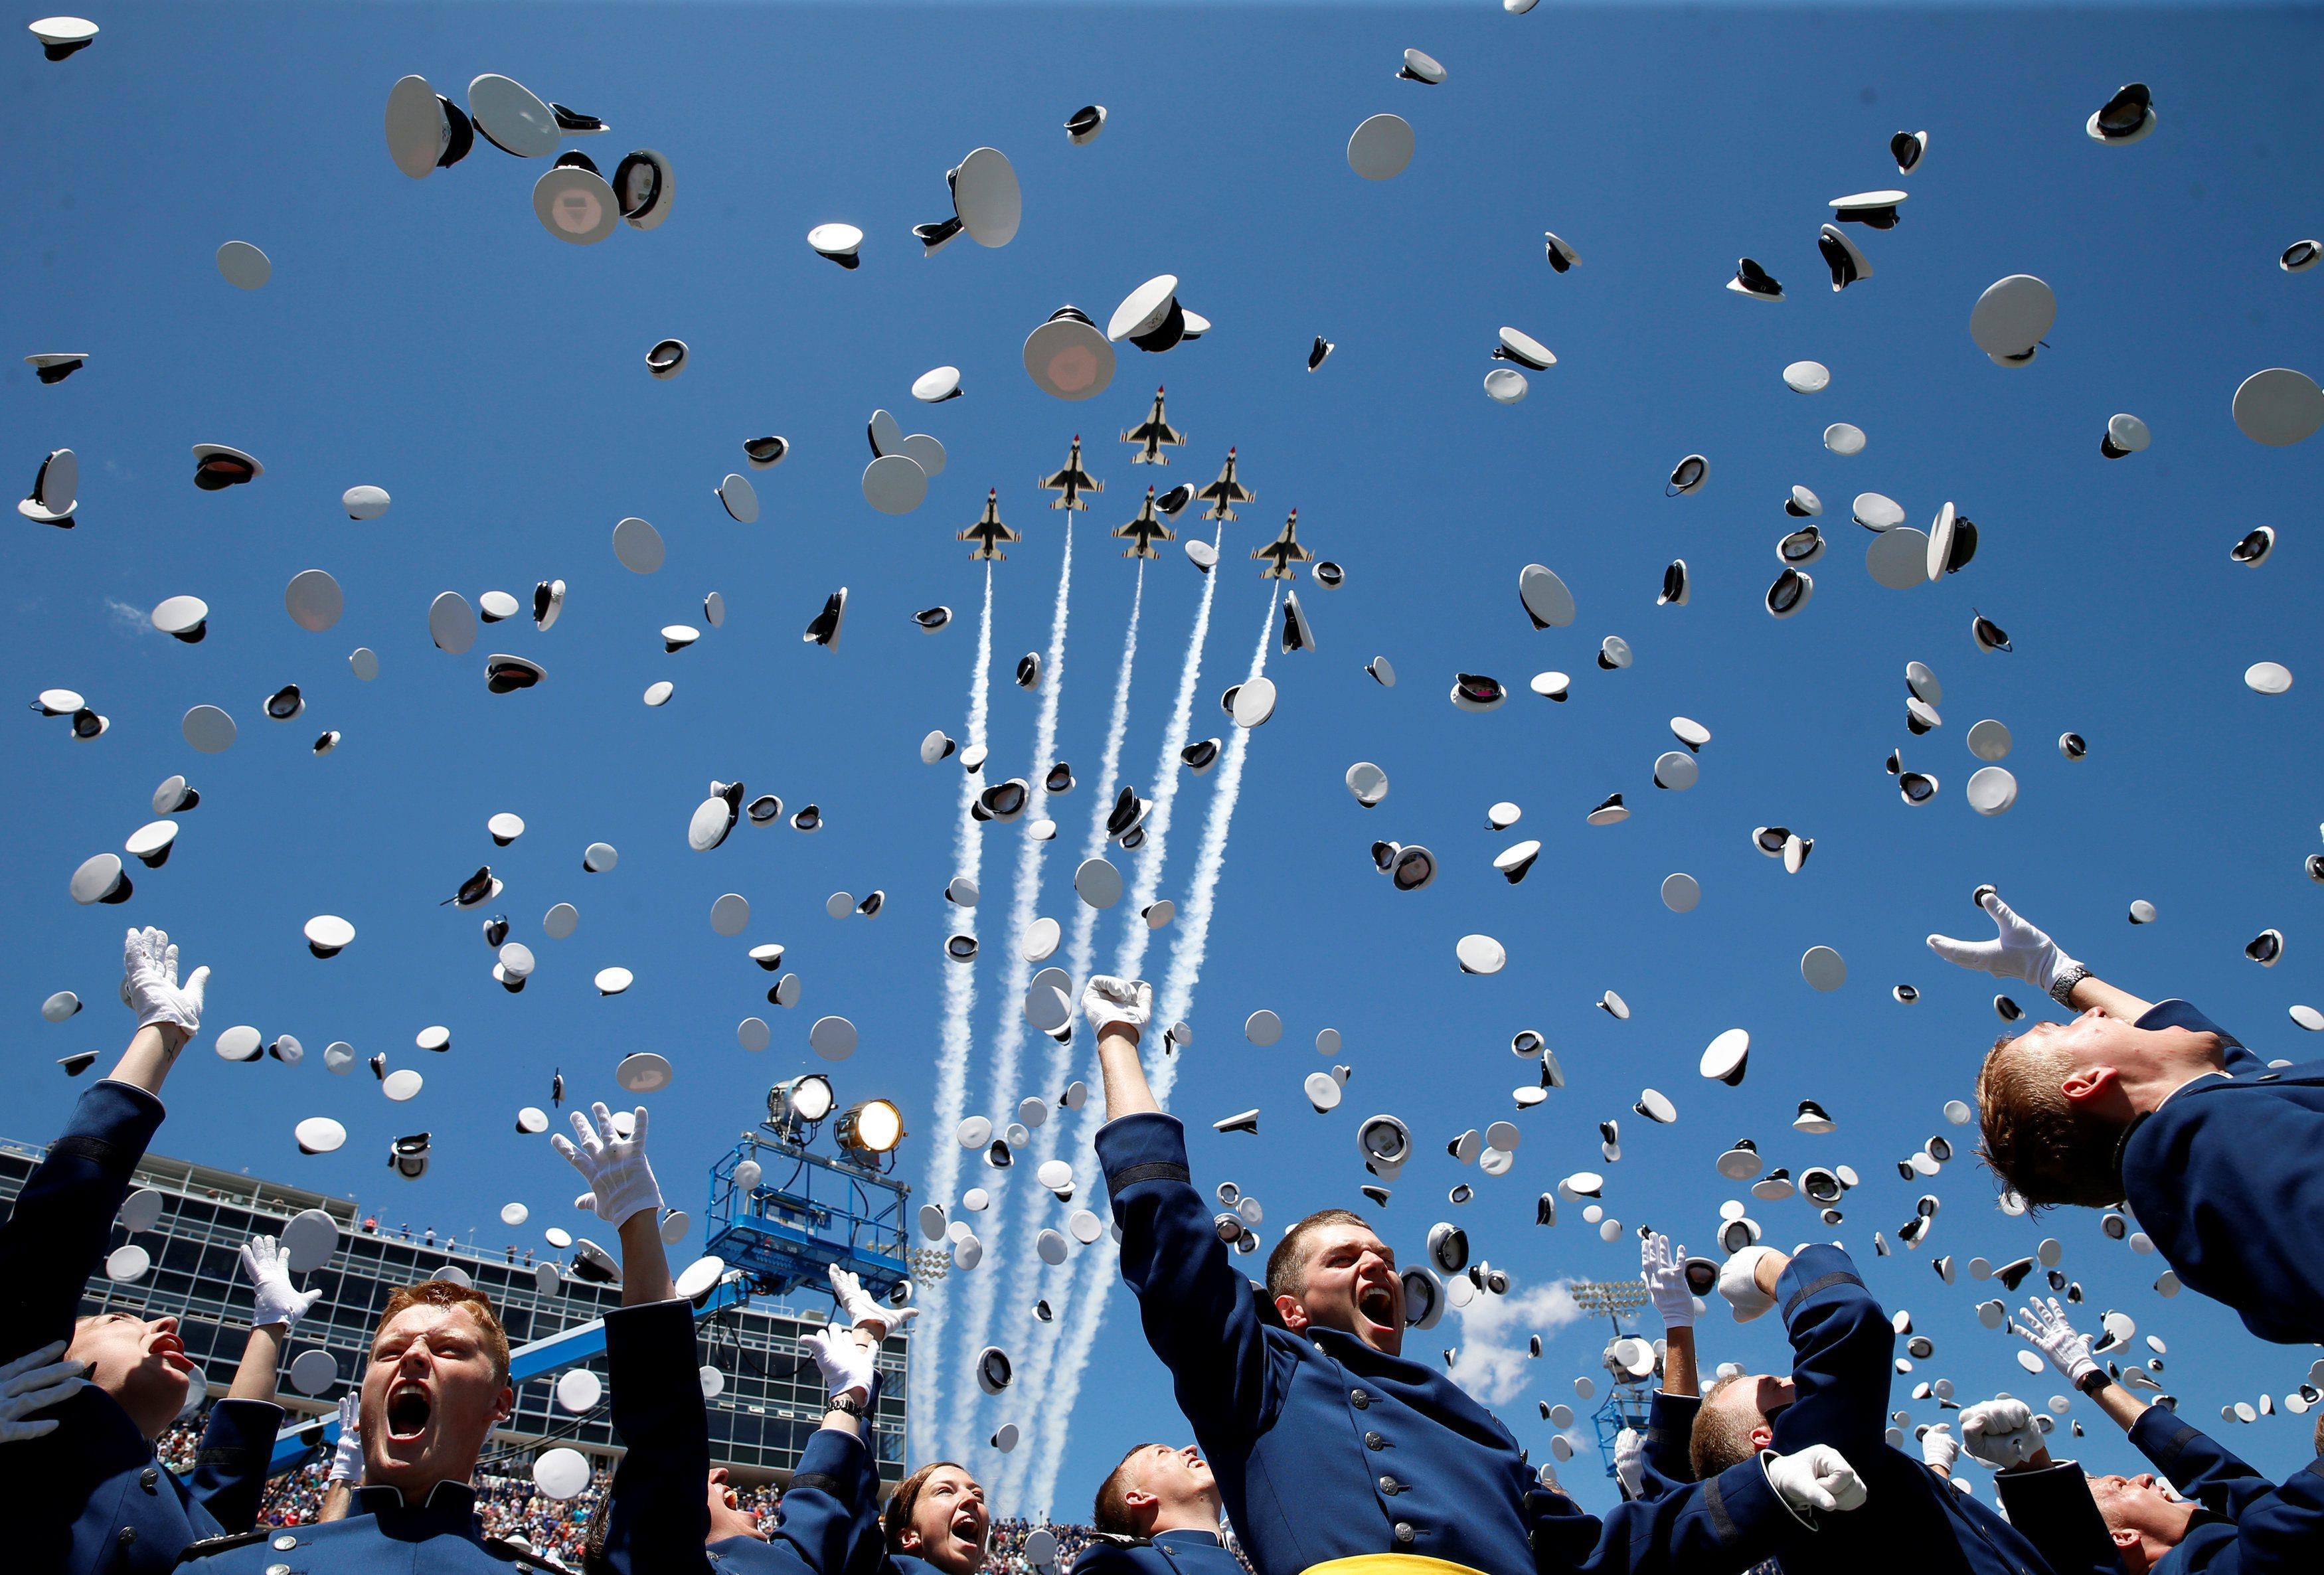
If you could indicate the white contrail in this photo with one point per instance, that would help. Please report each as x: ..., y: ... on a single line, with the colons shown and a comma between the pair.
x: 952, y: 1044
x: 1034, y: 1375
x: 1171, y: 1002
x: 1036, y: 1202
x: 1001, y: 1088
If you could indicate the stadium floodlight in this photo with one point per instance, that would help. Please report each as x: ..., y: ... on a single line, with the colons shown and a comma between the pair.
x: 871, y: 1126
x: 805, y: 1098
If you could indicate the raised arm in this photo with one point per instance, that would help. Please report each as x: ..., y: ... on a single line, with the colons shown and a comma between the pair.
x: 1842, y: 1346
x: 1118, y: 1008
x: 659, y: 1517
x: 2282, y: 1532
x: 1197, y: 1309
x: 2019, y: 951
x: 56, y: 1235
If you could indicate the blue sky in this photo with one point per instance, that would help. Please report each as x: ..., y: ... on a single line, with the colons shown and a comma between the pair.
x: 429, y: 338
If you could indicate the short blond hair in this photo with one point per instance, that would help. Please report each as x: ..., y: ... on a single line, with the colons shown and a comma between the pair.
x: 2043, y: 1146
x: 447, y: 1294
x: 1720, y: 1439
x: 1111, y: 1512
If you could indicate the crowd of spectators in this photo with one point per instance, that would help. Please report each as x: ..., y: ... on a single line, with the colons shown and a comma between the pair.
x: 513, y: 1506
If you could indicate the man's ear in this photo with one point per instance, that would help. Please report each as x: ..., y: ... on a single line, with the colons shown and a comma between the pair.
x: 2090, y: 1085
x: 505, y: 1404
x: 2124, y: 1537
x: 1762, y: 1436
x: 1294, y: 1316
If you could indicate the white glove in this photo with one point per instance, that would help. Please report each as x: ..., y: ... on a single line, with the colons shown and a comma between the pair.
x: 149, y: 987
x: 1630, y: 1462
x: 862, y: 1310
x: 266, y: 1263
x: 1739, y: 1282
x: 346, y: 1454
x: 621, y: 1183
x: 1666, y: 1278
x: 2000, y: 1433
x: 34, y: 1382
x: 1940, y: 1449
x: 2018, y: 952
x: 2068, y: 1349
x: 847, y: 1364
x: 1818, y: 1476
x: 1108, y: 1001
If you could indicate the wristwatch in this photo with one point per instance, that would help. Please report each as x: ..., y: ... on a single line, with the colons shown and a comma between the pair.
x: 2062, y: 989
x: 847, y: 1403
x: 2091, y: 1382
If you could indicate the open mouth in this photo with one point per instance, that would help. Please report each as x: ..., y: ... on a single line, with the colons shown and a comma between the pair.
x: 1377, y: 1305
x: 172, y: 1350
x: 408, y: 1411
x: 968, y: 1529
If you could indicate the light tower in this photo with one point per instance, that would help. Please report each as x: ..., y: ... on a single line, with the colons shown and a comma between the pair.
x: 1629, y: 1361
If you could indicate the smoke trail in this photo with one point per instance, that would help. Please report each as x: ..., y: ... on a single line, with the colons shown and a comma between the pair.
x: 1028, y: 1269
x: 1167, y: 773
x: 1171, y: 1002
x: 1035, y: 1371
x: 976, y: 1318
x: 952, y: 1045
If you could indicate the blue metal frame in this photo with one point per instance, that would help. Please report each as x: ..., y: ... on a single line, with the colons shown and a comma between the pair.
x: 807, y: 1215
x: 1625, y: 1406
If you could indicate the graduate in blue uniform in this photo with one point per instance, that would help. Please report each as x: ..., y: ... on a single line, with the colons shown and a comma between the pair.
x: 2231, y: 1521
x: 84, y: 1492
x: 829, y: 1517
x: 2157, y: 1105
x: 1843, y: 1353
x: 1328, y: 1444
x: 437, y: 1384
x: 1649, y: 1465
x: 1159, y: 1513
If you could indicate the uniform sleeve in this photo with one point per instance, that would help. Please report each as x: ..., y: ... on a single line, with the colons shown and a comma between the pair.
x: 2053, y: 1509
x: 1842, y: 1352
x: 2282, y: 1532
x: 230, y: 1471
x: 828, y: 1509
x: 56, y: 1235
x: 2178, y: 1014
x: 1198, y: 1311
x: 2198, y: 1464
x: 659, y: 1517
x: 1670, y: 1433
x: 2206, y: 1165
x: 1718, y: 1527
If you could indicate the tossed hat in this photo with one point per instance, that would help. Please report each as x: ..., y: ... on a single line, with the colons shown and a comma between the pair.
x: 1081, y: 126
x: 2127, y: 117
x: 2278, y: 406
x: 1908, y: 149
x: 2011, y: 317
x: 426, y: 132
x: 1847, y: 261
x: 1752, y: 280
x: 1380, y: 148
x: 838, y: 241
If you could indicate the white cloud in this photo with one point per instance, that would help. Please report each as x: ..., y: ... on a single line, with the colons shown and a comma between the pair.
x: 128, y: 620
x: 1491, y: 1363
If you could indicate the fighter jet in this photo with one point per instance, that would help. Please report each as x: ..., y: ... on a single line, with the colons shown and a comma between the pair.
x: 988, y: 532
x: 1225, y: 492
x: 1282, y: 552
x: 1073, y: 481
x: 1153, y: 434
x: 1144, y: 531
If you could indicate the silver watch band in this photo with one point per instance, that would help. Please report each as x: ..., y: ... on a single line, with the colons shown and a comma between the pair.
x: 2062, y: 989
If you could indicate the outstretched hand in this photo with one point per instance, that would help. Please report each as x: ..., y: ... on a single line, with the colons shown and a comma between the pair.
x: 621, y: 1183
x: 2017, y: 950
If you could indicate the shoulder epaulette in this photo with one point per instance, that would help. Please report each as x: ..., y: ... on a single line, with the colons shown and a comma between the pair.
x: 209, y: 1545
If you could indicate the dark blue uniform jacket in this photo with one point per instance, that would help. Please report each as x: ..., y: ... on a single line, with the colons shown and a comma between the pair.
x: 1326, y: 1449
x: 90, y: 1496
x: 1843, y: 1351
x: 1169, y: 1553
x: 657, y: 1521
x: 1670, y: 1432
x: 2247, y: 1525
x: 828, y: 1517
x: 2223, y: 1170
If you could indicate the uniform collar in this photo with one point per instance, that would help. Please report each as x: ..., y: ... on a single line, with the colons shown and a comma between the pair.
x: 1190, y: 1535
x: 446, y: 1498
